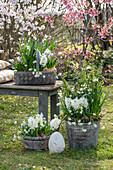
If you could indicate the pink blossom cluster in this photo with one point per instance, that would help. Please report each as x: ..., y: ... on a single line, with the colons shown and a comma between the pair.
x: 88, y: 13
x: 50, y: 20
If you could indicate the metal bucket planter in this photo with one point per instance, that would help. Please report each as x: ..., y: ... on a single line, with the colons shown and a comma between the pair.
x: 36, y: 143
x: 27, y: 78
x: 79, y: 139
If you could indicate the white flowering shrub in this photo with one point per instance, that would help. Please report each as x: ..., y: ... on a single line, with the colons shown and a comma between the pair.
x: 83, y: 101
x: 37, y: 126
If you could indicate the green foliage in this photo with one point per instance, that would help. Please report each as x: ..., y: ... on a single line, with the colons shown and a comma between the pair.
x: 37, y: 126
x: 25, y: 59
x: 45, y: 49
x: 27, y: 55
x: 85, y: 98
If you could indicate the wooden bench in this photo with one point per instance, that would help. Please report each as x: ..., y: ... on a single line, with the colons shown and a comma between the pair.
x: 41, y: 91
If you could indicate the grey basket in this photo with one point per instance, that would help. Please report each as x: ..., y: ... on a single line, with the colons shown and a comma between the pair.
x: 36, y: 143
x: 79, y: 139
x: 27, y: 78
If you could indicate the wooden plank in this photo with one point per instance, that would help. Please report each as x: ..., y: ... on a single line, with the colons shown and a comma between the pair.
x: 43, y: 103
x: 12, y: 85
x: 54, y: 108
x: 53, y: 92
x: 19, y: 92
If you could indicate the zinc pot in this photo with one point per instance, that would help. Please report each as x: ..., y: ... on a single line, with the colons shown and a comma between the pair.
x: 82, y: 136
x: 36, y: 143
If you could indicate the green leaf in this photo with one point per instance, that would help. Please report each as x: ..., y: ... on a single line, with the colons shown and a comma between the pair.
x: 52, y: 45
x: 46, y: 44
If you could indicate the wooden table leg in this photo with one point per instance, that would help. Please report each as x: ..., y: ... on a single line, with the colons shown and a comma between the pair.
x: 54, y: 108
x: 43, y: 103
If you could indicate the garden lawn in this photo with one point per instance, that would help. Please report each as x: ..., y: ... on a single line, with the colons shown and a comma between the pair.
x: 13, y: 155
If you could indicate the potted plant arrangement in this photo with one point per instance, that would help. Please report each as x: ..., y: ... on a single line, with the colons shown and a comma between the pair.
x: 34, y: 63
x: 36, y: 131
x: 81, y: 105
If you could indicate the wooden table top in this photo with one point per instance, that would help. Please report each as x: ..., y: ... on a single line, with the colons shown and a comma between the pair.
x: 12, y: 85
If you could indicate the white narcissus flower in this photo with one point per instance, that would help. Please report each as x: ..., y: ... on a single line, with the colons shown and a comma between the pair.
x: 73, y: 123
x: 40, y: 73
x: 70, y: 123
x: 30, y: 69
x: 89, y: 123
x: 95, y: 125
x: 58, y: 104
x: 84, y: 130
x: 95, y: 80
x: 34, y: 61
x: 69, y: 118
x: 80, y: 124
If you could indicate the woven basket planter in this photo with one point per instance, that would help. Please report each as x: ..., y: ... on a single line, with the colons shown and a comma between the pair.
x: 79, y: 139
x: 27, y: 78
x: 36, y: 143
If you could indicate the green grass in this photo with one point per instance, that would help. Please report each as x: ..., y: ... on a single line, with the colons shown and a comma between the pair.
x: 13, y: 153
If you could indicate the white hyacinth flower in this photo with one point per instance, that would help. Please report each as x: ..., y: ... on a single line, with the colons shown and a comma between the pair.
x: 43, y: 60
x: 54, y: 124
x: 47, y: 52
x: 68, y: 102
